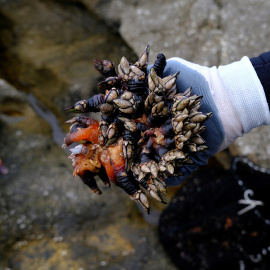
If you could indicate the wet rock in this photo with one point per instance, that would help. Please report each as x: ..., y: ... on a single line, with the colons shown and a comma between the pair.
x: 49, y: 49
x: 16, y: 111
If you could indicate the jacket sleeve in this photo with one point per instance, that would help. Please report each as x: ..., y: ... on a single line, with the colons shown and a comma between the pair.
x: 261, y: 65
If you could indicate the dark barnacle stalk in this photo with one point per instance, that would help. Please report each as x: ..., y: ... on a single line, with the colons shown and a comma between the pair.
x: 134, y: 76
x: 90, y: 105
x: 160, y: 64
x: 147, y: 130
x: 129, y: 143
x: 147, y: 163
x: 97, y: 103
x: 124, y: 179
x: 159, y: 114
x: 157, y: 97
x: 131, y: 138
x: 127, y: 182
x: 88, y: 179
x: 104, y: 177
x: 146, y: 172
x: 114, y: 131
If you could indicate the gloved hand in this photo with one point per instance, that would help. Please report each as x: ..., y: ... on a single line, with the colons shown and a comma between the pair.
x: 235, y: 96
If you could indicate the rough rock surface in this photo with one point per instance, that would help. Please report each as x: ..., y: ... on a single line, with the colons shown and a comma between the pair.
x: 48, y: 220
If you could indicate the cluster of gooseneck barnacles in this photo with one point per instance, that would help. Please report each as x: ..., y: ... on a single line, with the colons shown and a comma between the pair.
x: 146, y: 133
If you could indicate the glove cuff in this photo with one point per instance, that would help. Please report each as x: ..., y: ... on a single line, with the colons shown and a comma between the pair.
x: 240, y: 99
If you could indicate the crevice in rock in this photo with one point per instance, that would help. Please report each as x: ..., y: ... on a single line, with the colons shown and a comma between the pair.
x: 57, y: 133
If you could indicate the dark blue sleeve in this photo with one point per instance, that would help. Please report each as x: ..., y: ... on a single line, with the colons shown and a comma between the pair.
x: 261, y: 65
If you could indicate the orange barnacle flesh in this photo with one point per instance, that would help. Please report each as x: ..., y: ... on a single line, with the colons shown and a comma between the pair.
x: 81, y: 163
x: 93, y: 154
x: 105, y: 159
x: 87, y: 162
x: 117, y: 156
x: 144, y: 119
x: 90, y: 134
x: 159, y: 136
x: 112, y: 159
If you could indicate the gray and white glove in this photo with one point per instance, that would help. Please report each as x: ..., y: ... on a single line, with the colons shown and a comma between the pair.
x: 232, y: 92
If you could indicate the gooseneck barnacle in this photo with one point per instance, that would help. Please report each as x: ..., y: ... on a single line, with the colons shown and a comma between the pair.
x: 146, y: 133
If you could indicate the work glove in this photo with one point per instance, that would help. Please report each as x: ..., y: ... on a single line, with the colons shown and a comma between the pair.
x: 235, y: 96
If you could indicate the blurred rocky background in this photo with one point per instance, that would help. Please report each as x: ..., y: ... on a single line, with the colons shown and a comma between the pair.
x: 48, y: 219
